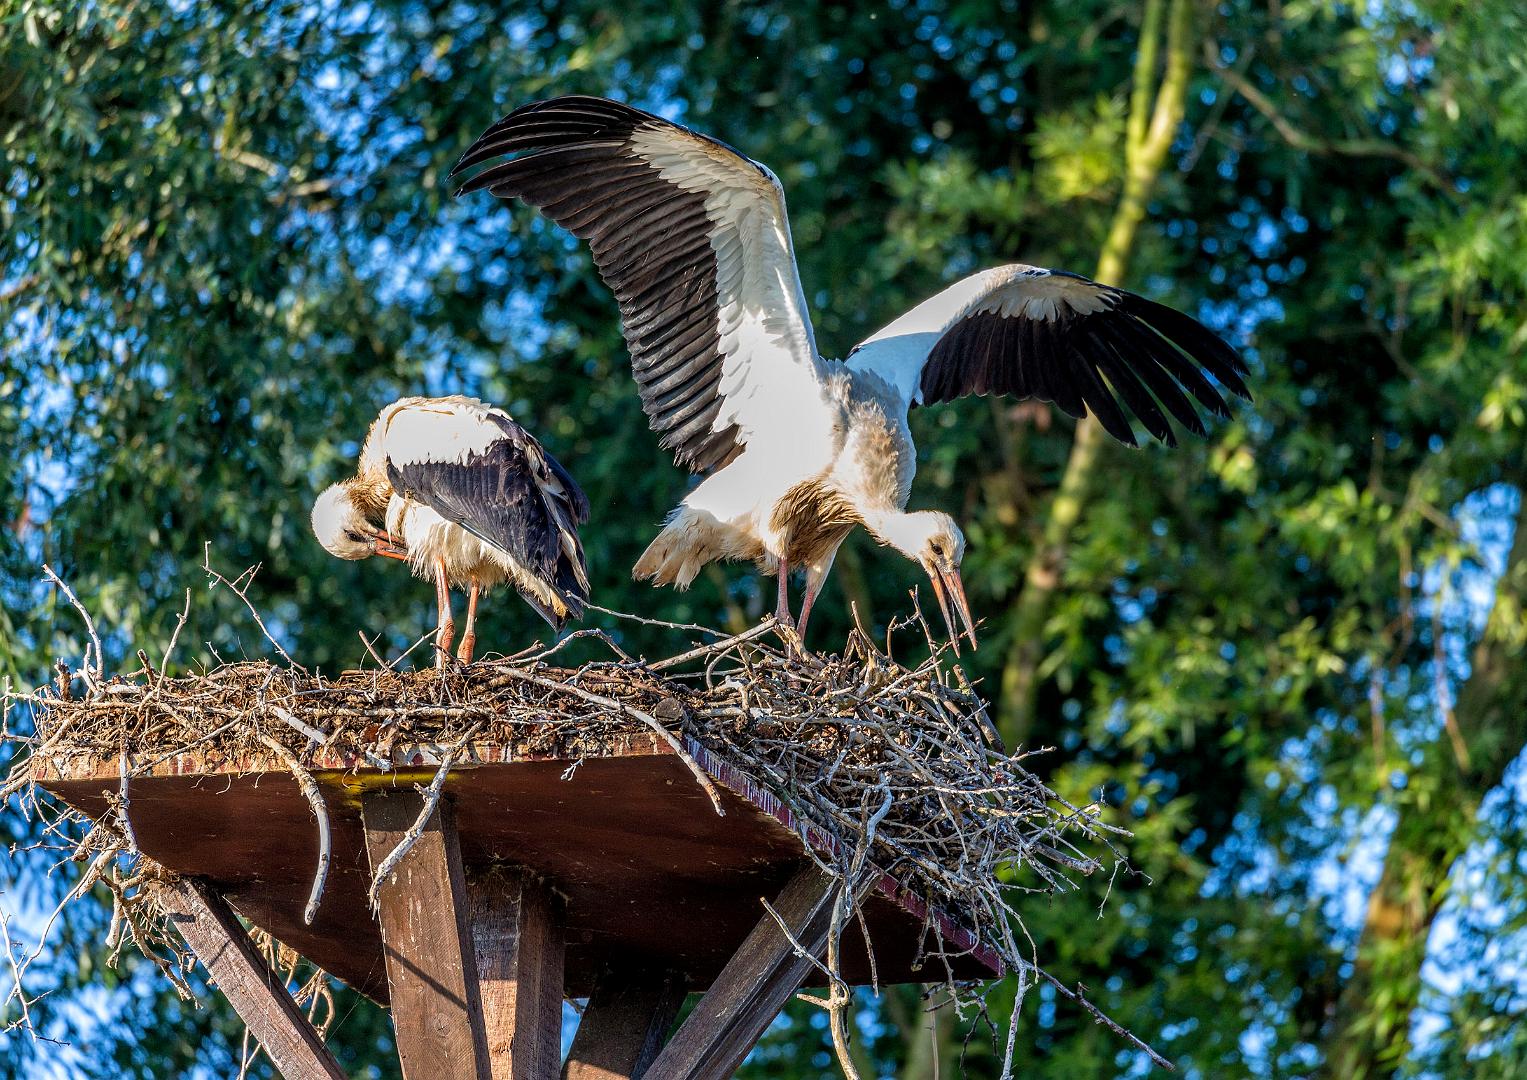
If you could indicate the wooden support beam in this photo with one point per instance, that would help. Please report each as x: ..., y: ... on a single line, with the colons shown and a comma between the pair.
x: 624, y: 1025
x: 427, y: 941
x: 519, y: 935
x: 753, y: 987
x: 256, y: 993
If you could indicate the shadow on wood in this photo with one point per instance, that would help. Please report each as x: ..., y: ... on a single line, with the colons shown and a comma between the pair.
x: 427, y: 941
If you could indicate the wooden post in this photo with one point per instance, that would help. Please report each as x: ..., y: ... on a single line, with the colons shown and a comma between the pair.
x: 256, y: 993
x: 753, y: 987
x: 624, y: 1025
x: 519, y: 937
x: 427, y: 941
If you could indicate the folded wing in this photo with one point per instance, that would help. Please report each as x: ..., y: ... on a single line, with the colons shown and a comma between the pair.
x: 477, y: 468
x: 692, y: 238
x: 1062, y: 338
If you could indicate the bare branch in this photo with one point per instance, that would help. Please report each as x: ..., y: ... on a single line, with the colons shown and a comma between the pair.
x: 100, y: 657
x: 314, y: 796
x: 240, y: 593
x: 1300, y: 139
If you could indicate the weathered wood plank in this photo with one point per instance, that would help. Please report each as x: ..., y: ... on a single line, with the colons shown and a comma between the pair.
x: 623, y: 1027
x: 519, y: 937
x: 257, y: 994
x: 427, y: 942
x: 242, y: 823
x: 753, y: 987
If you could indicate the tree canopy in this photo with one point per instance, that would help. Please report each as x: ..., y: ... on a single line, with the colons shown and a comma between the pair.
x: 1289, y: 658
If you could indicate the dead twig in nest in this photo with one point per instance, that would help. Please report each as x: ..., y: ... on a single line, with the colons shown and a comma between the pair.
x: 242, y: 593
x: 314, y: 796
x: 411, y: 837
x: 92, y: 671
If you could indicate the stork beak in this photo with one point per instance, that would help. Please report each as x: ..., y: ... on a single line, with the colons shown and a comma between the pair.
x: 385, y: 547
x: 950, y: 591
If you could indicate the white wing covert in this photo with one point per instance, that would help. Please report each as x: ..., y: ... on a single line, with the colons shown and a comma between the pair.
x: 1062, y: 338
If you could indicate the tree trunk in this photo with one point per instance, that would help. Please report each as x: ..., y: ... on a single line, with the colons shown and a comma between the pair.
x: 1369, y: 1034
x: 1150, y: 128
x: 933, y: 1051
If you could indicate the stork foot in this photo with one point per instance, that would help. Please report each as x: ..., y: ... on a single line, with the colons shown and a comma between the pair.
x: 443, y: 638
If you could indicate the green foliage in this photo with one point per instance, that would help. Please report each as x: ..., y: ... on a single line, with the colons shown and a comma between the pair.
x: 226, y: 240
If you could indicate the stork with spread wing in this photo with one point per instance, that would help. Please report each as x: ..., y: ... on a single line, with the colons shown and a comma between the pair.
x: 693, y: 239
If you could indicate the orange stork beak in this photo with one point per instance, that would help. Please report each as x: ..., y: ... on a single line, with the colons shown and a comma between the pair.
x: 950, y: 591
x: 386, y: 548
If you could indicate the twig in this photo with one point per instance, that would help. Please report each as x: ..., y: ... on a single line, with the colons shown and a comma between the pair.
x: 374, y: 654
x: 100, y: 657
x: 695, y: 627
x: 314, y: 797
x: 122, y: 804
x: 240, y: 593
x: 180, y: 622
x: 578, y: 635
x: 416, y: 830
x: 18, y: 993
x: 1078, y: 997
x: 636, y: 714
x: 716, y: 646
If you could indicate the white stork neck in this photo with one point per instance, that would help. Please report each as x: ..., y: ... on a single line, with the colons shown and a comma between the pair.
x: 905, y: 532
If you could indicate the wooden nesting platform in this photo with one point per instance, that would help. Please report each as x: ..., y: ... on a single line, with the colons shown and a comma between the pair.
x: 610, y: 877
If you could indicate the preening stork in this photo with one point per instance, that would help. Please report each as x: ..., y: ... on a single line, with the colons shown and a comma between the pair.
x: 476, y: 502
x: 693, y: 239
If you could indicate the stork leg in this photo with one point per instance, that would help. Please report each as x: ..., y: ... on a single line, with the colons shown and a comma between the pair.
x: 445, y: 627
x: 816, y: 577
x: 469, y: 635
x: 782, y: 610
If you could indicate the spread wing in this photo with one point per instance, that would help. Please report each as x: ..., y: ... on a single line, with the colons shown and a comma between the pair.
x: 1062, y: 338
x: 475, y: 467
x: 692, y: 238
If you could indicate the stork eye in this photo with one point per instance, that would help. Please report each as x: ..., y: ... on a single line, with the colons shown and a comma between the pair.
x: 353, y: 535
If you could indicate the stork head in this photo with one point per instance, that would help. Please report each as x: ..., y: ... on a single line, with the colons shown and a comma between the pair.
x: 344, y: 531
x: 933, y: 541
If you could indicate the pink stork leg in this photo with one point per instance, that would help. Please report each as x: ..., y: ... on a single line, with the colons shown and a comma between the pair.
x: 816, y: 577
x: 445, y: 627
x: 782, y: 610
x: 469, y: 635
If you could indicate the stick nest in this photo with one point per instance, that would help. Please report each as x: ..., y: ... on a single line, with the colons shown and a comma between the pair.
x: 900, y: 766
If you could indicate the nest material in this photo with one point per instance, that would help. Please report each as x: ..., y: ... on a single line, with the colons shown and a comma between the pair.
x: 838, y: 739
x: 899, y: 766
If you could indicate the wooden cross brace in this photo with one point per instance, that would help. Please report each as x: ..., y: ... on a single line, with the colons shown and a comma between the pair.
x: 475, y: 973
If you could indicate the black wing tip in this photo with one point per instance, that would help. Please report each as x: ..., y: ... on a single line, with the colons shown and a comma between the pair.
x: 607, y: 108
x: 1125, y: 436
